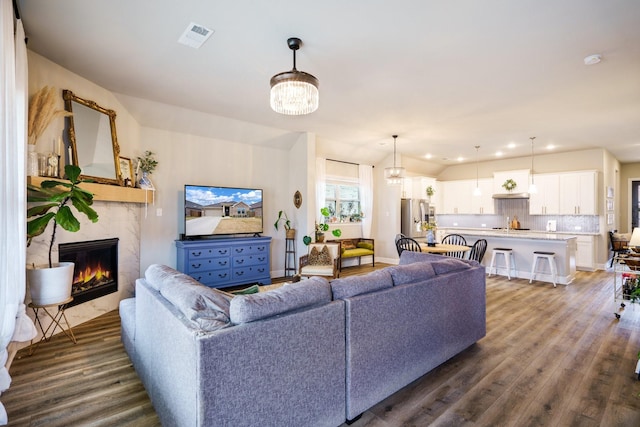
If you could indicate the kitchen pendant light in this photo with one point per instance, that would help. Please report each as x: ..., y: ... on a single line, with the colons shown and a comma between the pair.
x: 395, y: 174
x: 294, y: 92
x: 477, y: 191
x: 532, y: 188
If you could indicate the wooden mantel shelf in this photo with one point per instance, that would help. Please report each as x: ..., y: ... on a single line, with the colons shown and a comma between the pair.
x: 106, y: 193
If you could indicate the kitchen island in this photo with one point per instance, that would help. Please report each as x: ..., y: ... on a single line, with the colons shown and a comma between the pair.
x: 523, y: 243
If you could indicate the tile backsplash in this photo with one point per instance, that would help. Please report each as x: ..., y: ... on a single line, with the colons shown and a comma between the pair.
x: 520, y: 207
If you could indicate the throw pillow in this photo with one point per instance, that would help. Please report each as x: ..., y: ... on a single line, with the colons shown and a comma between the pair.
x: 365, y: 245
x: 322, y: 257
x: 348, y: 244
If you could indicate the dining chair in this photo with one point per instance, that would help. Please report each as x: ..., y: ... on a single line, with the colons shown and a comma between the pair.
x: 477, y: 250
x: 454, y: 239
x: 618, y: 245
x: 407, y: 244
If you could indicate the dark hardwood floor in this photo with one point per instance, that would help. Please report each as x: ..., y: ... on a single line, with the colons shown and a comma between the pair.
x: 551, y: 357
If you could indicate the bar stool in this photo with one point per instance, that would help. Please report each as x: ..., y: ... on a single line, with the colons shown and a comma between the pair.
x: 507, y: 253
x: 551, y: 258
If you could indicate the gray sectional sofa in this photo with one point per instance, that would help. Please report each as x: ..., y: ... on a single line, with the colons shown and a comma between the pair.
x: 314, y: 353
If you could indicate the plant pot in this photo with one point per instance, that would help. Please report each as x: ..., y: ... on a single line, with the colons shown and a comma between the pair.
x: 291, y: 233
x: 49, y: 286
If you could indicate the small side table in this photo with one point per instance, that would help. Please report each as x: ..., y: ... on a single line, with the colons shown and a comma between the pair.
x: 56, y: 318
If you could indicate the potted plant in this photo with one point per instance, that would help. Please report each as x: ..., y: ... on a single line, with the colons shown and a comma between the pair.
x: 147, y: 165
x: 320, y: 228
x: 286, y: 224
x: 430, y: 191
x: 51, y: 283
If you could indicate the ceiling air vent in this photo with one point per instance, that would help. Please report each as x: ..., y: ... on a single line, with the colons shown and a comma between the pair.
x: 195, y: 35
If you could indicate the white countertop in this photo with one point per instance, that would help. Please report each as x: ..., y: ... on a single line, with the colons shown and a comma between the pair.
x: 514, y: 234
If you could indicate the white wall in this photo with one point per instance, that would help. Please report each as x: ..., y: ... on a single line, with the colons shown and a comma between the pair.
x: 121, y: 220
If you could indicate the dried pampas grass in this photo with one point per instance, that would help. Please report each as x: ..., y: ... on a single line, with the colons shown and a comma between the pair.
x: 42, y: 111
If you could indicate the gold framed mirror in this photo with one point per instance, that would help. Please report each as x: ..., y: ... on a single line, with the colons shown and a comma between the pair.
x: 93, y: 139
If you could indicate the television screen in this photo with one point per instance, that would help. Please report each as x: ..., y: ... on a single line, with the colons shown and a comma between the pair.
x: 210, y: 210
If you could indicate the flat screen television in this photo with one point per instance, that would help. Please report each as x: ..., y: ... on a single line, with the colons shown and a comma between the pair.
x: 220, y: 211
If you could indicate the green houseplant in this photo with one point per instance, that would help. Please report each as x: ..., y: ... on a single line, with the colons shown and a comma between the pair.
x: 286, y: 224
x: 321, y: 228
x: 55, y: 199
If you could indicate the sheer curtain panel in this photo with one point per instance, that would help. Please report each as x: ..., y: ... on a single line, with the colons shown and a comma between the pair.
x: 14, y: 323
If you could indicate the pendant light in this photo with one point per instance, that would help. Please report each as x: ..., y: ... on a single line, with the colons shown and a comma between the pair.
x: 294, y: 92
x: 532, y: 188
x: 395, y: 174
x: 477, y: 191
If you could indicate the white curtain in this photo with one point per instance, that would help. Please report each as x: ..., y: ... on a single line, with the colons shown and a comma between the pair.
x: 14, y: 323
x: 365, y: 176
x: 321, y: 186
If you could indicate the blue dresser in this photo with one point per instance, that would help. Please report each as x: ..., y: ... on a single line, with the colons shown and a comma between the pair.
x: 219, y: 263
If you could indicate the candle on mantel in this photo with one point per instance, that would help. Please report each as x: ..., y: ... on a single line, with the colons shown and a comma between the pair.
x: 70, y: 156
x: 138, y: 168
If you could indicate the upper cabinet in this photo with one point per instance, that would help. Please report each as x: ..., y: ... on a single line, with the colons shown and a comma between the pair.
x: 547, y: 200
x: 459, y: 197
x: 416, y: 188
x: 578, y: 193
x: 520, y: 177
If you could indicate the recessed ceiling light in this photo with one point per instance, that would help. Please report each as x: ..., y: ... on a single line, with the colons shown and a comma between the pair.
x: 592, y: 59
x: 550, y: 147
x: 498, y: 153
x: 427, y: 156
x: 512, y: 145
x: 460, y: 159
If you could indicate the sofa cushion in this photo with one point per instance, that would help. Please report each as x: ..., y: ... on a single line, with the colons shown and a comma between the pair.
x: 356, y: 252
x: 157, y: 275
x: 448, y: 265
x: 409, y: 257
x: 206, y: 308
x: 306, y: 293
x: 355, y: 285
x: 322, y: 257
x: 409, y: 273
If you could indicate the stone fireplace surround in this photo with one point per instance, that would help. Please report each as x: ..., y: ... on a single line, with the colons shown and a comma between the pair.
x: 116, y: 220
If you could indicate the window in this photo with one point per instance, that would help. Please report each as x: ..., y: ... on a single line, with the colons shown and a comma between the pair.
x: 343, y: 200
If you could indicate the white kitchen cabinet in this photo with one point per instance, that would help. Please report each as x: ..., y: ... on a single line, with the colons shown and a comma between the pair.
x: 520, y: 177
x: 407, y: 188
x: 416, y: 187
x: 483, y: 204
x: 547, y: 200
x: 585, y: 253
x: 456, y: 197
x: 578, y: 193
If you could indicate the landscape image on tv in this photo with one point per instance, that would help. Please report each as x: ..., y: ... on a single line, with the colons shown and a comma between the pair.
x: 222, y: 210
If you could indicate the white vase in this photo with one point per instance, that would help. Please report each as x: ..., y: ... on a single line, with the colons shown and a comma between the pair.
x: 49, y: 286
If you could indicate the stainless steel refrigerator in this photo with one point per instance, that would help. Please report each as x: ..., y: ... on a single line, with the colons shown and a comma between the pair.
x: 413, y: 214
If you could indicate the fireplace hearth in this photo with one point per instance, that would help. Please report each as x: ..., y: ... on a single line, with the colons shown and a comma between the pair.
x: 96, y: 268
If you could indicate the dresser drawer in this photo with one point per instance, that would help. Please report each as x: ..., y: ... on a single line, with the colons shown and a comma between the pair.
x: 250, y: 249
x: 247, y: 260
x: 200, y: 253
x: 206, y: 264
x: 214, y: 277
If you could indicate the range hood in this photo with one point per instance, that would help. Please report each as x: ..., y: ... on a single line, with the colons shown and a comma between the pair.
x: 511, y: 196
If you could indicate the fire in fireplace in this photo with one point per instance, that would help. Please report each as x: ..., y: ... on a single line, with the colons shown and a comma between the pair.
x: 96, y: 268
